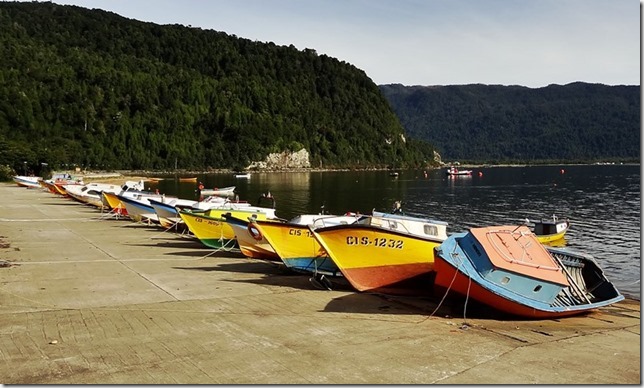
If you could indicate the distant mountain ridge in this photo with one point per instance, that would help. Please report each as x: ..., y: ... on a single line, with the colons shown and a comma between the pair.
x: 502, y: 124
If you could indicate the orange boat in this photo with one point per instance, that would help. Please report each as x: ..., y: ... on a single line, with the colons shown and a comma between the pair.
x: 188, y: 179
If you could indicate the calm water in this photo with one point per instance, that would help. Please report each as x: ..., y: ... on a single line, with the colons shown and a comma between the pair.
x: 602, y: 202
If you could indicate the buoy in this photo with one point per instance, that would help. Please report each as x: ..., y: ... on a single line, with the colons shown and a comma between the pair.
x: 480, y: 173
x: 562, y: 171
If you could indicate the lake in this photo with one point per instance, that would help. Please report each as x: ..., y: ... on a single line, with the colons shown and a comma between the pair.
x: 602, y: 202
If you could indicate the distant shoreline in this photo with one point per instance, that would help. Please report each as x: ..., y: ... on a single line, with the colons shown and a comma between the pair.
x: 143, y: 174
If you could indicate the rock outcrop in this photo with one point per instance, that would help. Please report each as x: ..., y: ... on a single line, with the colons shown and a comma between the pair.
x: 283, y: 161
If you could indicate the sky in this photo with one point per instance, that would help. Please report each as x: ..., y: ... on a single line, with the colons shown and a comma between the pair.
x: 430, y: 42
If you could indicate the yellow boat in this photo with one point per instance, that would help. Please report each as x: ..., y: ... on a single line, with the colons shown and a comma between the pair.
x: 383, y: 250
x: 251, y: 242
x: 551, y: 230
x: 295, y: 244
x: 112, y: 201
x: 212, y: 230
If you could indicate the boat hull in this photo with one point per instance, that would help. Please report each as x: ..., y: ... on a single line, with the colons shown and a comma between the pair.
x: 215, y: 232
x: 297, y: 247
x: 551, y: 237
x: 114, y: 203
x: 251, y: 244
x: 373, y: 258
x: 27, y: 181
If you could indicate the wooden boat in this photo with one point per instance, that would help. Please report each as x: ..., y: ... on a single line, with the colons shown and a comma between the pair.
x: 212, y: 230
x: 454, y: 171
x: 506, y: 268
x: 223, y: 191
x: 295, y: 245
x: 112, y: 202
x: 550, y: 230
x: 251, y: 243
x: 91, y: 193
x: 27, y: 181
x: 57, y: 182
x: 382, y: 250
x: 168, y: 210
x: 188, y: 179
x: 138, y: 206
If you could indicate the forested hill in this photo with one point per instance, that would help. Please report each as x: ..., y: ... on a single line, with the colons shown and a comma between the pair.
x: 89, y: 87
x: 492, y: 123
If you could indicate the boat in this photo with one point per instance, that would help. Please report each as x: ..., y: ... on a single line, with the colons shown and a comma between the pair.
x: 27, y: 181
x: 112, y: 202
x: 242, y: 175
x: 223, y: 191
x: 507, y: 268
x: 251, y: 243
x: 138, y: 206
x: 188, y: 179
x: 454, y: 171
x: 295, y: 245
x: 56, y: 184
x: 383, y: 250
x: 550, y: 230
x: 168, y: 210
x: 91, y: 193
x: 211, y: 228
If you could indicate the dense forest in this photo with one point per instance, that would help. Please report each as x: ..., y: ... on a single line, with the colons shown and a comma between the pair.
x: 578, y: 122
x: 89, y: 88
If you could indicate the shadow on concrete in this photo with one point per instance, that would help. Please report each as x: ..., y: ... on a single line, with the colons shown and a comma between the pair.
x: 206, y: 253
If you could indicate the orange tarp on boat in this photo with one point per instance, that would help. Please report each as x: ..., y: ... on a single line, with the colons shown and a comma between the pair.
x: 517, y: 249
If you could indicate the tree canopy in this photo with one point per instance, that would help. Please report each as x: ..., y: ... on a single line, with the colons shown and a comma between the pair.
x: 493, y: 123
x: 94, y: 89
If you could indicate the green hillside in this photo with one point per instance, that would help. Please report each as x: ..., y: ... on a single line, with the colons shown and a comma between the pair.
x: 578, y: 122
x: 91, y: 88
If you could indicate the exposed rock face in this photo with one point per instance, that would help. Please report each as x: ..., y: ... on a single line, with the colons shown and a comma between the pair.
x: 437, y: 158
x: 284, y: 160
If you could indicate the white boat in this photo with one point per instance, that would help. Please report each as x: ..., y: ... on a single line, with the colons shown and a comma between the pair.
x: 91, y: 192
x: 243, y: 176
x: 139, y: 207
x: 27, y: 181
x: 454, y: 171
x: 167, y: 209
x: 223, y: 191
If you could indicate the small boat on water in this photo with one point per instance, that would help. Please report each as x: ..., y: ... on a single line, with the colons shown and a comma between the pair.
x: 221, y: 191
x: 508, y: 269
x: 188, y: 179
x: 550, y: 230
x: 245, y: 175
x: 454, y: 171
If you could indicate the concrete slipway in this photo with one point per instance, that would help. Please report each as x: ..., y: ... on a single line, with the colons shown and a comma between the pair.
x: 89, y: 301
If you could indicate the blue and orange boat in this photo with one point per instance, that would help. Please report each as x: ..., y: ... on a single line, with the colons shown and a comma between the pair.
x: 508, y: 269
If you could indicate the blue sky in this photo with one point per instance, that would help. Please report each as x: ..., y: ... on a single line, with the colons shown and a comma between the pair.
x: 430, y: 42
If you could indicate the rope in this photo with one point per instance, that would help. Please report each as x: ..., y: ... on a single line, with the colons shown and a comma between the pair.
x: 448, y: 288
